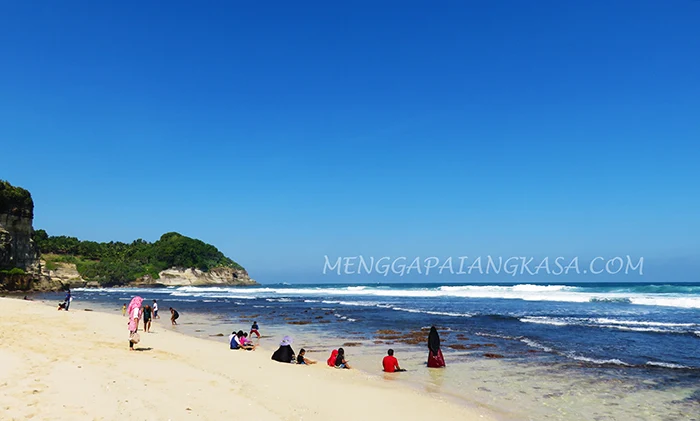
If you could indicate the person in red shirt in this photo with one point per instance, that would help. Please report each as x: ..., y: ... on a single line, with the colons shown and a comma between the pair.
x: 390, y: 363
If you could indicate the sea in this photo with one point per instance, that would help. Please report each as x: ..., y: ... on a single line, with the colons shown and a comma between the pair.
x: 575, y: 351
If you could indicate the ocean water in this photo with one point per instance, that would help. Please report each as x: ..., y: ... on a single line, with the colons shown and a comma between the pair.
x: 575, y: 351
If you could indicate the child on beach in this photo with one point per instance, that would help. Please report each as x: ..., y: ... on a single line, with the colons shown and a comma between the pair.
x: 246, y: 343
x: 124, y: 310
x: 254, y: 329
x: 390, y: 363
x: 147, y: 319
x: 233, y: 341
x: 301, y: 358
x: 173, y: 316
x: 155, y: 310
x: 340, y: 361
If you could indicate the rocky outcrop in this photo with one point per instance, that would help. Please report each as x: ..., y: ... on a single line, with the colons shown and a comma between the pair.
x: 196, y: 277
x: 17, y: 249
x: 65, y: 273
x: 19, y: 256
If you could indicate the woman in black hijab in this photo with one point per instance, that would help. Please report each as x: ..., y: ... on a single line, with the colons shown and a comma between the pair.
x: 285, y: 353
x: 435, y: 359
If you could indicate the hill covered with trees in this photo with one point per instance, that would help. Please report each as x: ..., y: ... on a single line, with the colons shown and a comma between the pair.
x: 117, y: 263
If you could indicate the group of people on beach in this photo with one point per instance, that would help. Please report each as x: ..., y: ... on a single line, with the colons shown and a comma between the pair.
x: 390, y: 364
x: 285, y: 354
x: 137, y: 312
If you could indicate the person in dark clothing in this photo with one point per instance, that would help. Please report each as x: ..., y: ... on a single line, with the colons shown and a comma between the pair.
x: 435, y: 359
x: 340, y: 361
x: 67, y: 300
x: 285, y: 353
x: 301, y: 359
x: 173, y: 315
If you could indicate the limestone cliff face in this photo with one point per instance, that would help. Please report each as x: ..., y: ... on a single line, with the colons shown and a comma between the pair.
x: 195, y: 277
x: 17, y: 249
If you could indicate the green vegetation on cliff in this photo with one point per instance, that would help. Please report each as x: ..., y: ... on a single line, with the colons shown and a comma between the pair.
x: 15, y: 200
x: 117, y: 263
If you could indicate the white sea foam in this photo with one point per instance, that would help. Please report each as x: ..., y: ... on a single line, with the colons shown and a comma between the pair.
x: 526, y: 292
x: 666, y: 365
x: 436, y: 313
x: 535, y: 344
x: 544, y: 321
x: 641, y: 323
x: 614, y: 361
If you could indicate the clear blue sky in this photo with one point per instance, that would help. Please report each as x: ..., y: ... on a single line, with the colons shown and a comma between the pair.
x: 285, y: 131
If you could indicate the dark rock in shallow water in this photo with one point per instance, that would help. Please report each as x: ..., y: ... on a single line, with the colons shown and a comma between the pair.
x: 490, y: 355
x: 300, y: 322
x: 218, y: 334
x: 352, y: 344
x: 458, y: 346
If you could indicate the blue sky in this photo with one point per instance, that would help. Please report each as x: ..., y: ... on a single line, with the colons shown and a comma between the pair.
x: 282, y: 132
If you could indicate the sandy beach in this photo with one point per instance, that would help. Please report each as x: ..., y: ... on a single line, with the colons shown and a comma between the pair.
x: 76, y: 366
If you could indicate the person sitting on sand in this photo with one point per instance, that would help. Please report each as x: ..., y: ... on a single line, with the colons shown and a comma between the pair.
x: 331, y: 360
x: 390, y: 363
x: 61, y: 305
x: 245, y: 342
x: 147, y: 319
x: 340, y: 361
x: 173, y: 316
x: 234, y: 342
x: 285, y: 353
x: 301, y: 358
x: 254, y: 329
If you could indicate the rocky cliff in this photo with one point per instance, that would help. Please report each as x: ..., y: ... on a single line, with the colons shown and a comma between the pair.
x: 19, y: 256
x: 196, y: 277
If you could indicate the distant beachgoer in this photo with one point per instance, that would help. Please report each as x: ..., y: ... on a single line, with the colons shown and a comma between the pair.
x: 331, y: 360
x: 173, y: 315
x: 124, y: 310
x: 67, y: 300
x: 435, y: 359
x: 254, y: 329
x: 233, y: 341
x: 134, y: 311
x: 285, y: 353
x: 301, y: 358
x: 147, y: 319
x: 340, y: 361
x: 390, y: 363
x: 155, y: 310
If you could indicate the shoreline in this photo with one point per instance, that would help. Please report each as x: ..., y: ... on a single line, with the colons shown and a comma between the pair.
x: 90, y: 348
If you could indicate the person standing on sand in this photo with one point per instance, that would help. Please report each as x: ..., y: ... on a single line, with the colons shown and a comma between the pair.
x: 435, y: 359
x: 254, y: 329
x: 147, y: 319
x: 173, y: 316
x: 134, y: 311
x: 124, y: 310
x: 390, y: 363
x: 67, y: 300
x: 155, y: 310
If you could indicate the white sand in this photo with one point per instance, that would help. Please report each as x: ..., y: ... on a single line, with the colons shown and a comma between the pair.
x: 57, y: 365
